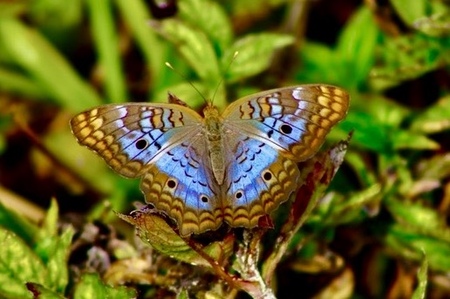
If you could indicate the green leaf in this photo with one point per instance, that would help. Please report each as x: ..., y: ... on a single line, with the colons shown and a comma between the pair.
x: 91, y: 287
x: 195, y: 47
x: 429, y: 17
x: 410, y: 244
x: 317, y: 60
x: 50, y: 225
x: 435, y: 119
x: 211, y: 19
x: 183, y: 295
x: 19, y: 264
x: 369, y: 133
x: 31, y: 52
x: 422, y: 277
x: 356, y: 48
x: 347, y: 210
x: 418, y: 216
x: 17, y: 224
x: 154, y: 230
x: 409, y: 11
x: 410, y: 140
x: 407, y: 57
x: 255, y: 52
x: 58, y: 273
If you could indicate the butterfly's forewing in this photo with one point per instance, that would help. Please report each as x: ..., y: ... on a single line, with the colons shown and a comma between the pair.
x: 131, y: 136
x: 293, y: 120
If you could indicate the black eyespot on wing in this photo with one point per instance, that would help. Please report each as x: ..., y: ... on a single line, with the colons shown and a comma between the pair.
x: 171, y: 184
x: 286, y: 129
x: 204, y: 198
x: 141, y: 144
x: 238, y: 194
x: 267, y: 176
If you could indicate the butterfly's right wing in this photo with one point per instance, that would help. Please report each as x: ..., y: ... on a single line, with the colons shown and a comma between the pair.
x: 131, y: 136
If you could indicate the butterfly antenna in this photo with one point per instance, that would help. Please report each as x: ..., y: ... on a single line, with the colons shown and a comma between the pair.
x: 222, y: 79
x: 188, y: 81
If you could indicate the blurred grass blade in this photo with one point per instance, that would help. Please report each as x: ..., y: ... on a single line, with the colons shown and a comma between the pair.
x: 154, y: 51
x: 107, y: 43
x: 31, y: 52
x: 18, y: 84
x: 422, y: 276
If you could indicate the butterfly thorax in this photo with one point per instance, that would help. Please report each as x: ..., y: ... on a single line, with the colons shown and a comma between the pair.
x: 214, y: 138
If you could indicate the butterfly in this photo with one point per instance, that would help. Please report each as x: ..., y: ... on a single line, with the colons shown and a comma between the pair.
x: 202, y: 171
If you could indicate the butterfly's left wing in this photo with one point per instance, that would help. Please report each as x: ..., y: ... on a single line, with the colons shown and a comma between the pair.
x: 293, y: 120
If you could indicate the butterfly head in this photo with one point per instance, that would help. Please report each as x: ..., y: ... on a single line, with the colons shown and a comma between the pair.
x: 210, y: 111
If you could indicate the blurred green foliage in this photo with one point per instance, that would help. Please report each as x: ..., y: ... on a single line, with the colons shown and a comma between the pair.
x: 388, y: 205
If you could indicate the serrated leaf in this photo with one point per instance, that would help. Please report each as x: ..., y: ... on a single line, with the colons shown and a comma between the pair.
x: 58, y: 273
x: 50, y: 224
x: 154, y: 230
x: 183, y: 295
x: 254, y: 55
x: 195, y: 47
x: 91, y: 287
x: 209, y: 17
x: 19, y: 264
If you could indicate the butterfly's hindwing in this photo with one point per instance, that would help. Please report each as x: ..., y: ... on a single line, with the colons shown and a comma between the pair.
x: 259, y: 180
x: 180, y: 184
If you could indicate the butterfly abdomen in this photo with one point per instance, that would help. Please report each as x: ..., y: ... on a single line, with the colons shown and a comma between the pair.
x: 213, y: 128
